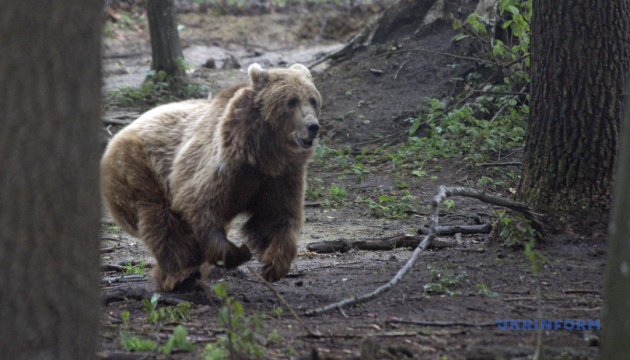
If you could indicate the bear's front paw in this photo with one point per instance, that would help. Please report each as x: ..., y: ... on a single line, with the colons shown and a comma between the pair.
x: 275, y: 271
x: 237, y: 256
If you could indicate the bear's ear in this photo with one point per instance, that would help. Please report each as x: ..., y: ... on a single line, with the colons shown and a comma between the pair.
x: 301, y: 68
x: 257, y: 75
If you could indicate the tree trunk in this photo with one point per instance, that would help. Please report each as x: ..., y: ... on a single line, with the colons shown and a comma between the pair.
x: 580, y: 56
x: 50, y: 84
x: 165, y: 45
x: 616, y: 314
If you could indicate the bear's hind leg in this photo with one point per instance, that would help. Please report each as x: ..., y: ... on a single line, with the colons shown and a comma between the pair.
x: 173, y: 244
x: 138, y: 203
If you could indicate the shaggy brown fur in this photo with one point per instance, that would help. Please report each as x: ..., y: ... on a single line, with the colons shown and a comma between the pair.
x: 178, y: 175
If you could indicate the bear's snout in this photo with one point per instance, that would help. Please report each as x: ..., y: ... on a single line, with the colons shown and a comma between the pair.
x: 307, y: 131
x: 313, y: 128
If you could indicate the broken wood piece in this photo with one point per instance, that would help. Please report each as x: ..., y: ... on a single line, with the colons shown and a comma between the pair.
x: 312, y: 204
x: 519, y: 351
x: 106, y: 250
x: 327, y: 247
x: 439, y: 323
x: 136, y: 294
x: 107, y: 355
x: 123, y: 279
x: 383, y: 244
x: 459, y: 229
x: 514, y: 163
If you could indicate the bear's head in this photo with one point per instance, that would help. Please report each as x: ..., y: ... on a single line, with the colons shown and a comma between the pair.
x: 289, y: 102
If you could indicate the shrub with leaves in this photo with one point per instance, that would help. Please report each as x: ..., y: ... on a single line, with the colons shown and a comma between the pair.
x: 180, y: 312
x: 240, y: 330
x: 179, y: 341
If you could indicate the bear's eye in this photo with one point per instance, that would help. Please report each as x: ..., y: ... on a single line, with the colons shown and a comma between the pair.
x: 313, y: 103
x: 293, y: 102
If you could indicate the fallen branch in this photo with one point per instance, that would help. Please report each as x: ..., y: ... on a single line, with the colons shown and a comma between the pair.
x: 582, y: 291
x: 515, y: 163
x: 136, y: 294
x: 397, y: 241
x: 123, y: 279
x: 514, y: 93
x: 313, y: 204
x: 107, y: 355
x: 443, y: 193
x: 459, y: 229
x: 518, y: 351
x: 440, y: 323
x: 270, y: 287
x: 122, y: 55
x: 389, y: 243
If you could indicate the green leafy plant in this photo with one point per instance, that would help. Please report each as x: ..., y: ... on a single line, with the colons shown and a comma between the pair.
x: 444, y: 282
x: 168, y: 313
x: 113, y: 228
x: 484, y: 126
x: 338, y: 193
x: 536, y: 258
x: 277, y: 311
x: 468, y: 130
x: 483, y: 289
x: 240, y: 330
x: 135, y: 343
x: 159, y: 91
x: 135, y: 269
x: 178, y: 341
x: 390, y: 206
x: 314, y: 188
x: 274, y: 337
x: 344, y: 159
x: 515, y: 231
x: 513, y: 48
x: 449, y: 206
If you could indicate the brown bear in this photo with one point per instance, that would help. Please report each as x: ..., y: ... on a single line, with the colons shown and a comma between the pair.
x: 178, y: 175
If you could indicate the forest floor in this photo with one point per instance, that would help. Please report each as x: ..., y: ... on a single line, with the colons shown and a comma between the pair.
x: 362, y: 185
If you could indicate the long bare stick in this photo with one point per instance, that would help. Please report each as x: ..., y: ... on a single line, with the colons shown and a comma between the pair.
x: 443, y: 193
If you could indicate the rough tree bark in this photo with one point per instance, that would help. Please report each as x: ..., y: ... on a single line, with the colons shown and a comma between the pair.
x: 165, y: 45
x: 580, y: 58
x: 50, y: 81
x: 616, y: 314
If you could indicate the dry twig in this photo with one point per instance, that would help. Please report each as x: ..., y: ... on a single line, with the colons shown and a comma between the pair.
x: 440, y: 323
x: 515, y: 163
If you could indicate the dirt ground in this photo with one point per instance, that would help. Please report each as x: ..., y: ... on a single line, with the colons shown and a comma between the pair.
x: 446, y: 306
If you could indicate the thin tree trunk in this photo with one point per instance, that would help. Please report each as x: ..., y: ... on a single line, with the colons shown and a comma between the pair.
x: 165, y: 45
x: 580, y: 58
x: 616, y: 314
x: 50, y: 83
